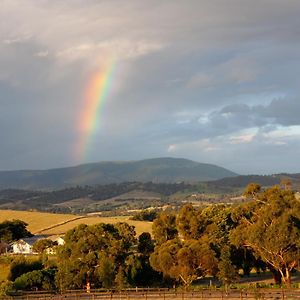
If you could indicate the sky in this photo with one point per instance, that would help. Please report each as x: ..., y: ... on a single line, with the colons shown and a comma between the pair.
x: 214, y: 81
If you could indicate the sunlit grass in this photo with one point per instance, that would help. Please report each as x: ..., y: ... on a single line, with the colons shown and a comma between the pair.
x: 39, y: 221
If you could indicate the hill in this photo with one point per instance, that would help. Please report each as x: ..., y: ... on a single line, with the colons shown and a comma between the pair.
x: 157, y: 170
x: 85, y: 199
x: 240, y: 182
x: 126, y: 197
x: 59, y: 224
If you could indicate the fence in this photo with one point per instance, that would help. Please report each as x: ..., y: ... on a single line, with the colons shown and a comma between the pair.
x: 164, y: 294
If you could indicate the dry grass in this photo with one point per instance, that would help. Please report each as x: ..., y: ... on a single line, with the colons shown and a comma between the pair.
x: 139, y: 225
x: 37, y: 221
x: 5, y: 268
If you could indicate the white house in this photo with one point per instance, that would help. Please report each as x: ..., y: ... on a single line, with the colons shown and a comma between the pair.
x: 24, y: 246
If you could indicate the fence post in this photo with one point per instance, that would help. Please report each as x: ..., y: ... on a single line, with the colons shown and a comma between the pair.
x: 241, y: 295
x: 282, y: 294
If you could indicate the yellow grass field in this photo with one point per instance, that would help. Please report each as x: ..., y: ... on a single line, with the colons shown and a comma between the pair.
x: 53, y: 224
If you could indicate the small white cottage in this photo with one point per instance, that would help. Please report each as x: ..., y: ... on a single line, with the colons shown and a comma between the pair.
x: 24, y: 246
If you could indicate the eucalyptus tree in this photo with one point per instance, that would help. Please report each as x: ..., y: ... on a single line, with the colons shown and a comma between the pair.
x: 270, y: 226
x: 92, y: 255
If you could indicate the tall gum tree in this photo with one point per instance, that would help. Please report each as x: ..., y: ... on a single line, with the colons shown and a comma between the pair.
x: 270, y: 226
x: 184, y: 261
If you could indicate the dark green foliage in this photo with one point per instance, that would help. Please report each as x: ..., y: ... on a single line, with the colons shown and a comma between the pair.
x: 93, y: 254
x: 227, y: 272
x: 244, y: 259
x: 145, y: 215
x: 36, y: 280
x: 145, y: 244
x: 120, y: 279
x: 164, y: 227
x: 13, y: 230
x: 20, y: 266
x: 41, y: 245
x: 139, y: 272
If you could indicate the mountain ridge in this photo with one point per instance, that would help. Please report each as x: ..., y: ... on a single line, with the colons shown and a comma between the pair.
x: 162, y: 169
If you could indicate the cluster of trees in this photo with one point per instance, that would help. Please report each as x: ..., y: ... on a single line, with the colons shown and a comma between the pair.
x: 145, y: 215
x: 96, y: 256
x: 105, y: 255
x: 218, y: 240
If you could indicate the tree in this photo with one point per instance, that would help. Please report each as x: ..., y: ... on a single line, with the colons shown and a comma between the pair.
x: 13, y: 230
x: 145, y: 244
x: 252, y: 190
x: 164, y: 227
x: 106, y: 270
x: 184, y: 261
x: 218, y: 223
x: 272, y: 230
x: 20, y: 266
x: 37, y: 280
x: 145, y: 215
x: 41, y: 245
x: 227, y: 272
x: 189, y: 223
x: 92, y: 255
x: 120, y: 279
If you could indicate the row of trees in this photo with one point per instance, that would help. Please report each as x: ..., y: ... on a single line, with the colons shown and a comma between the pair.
x: 218, y: 240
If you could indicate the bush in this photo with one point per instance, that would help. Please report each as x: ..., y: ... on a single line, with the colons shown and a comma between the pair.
x: 21, y: 266
x: 36, y: 280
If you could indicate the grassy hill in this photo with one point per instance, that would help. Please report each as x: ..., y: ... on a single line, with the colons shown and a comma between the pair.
x: 59, y: 224
x: 168, y: 170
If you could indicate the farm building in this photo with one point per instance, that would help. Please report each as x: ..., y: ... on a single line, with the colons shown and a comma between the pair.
x: 24, y: 246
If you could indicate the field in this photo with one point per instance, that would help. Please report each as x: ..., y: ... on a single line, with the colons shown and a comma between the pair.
x: 53, y: 224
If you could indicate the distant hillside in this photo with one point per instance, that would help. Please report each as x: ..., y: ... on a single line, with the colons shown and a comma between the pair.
x: 158, y: 170
x: 236, y: 182
x: 127, y: 197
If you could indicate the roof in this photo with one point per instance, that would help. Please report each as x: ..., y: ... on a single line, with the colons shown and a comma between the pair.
x: 31, y: 240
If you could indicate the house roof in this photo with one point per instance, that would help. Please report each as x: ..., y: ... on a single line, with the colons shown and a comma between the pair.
x: 30, y: 240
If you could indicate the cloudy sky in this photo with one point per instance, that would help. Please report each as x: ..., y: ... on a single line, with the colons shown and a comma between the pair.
x: 215, y: 81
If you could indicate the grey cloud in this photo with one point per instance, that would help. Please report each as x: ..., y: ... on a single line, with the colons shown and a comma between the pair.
x: 187, y: 71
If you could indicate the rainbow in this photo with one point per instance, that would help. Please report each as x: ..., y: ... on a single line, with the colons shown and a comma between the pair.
x: 96, y: 94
